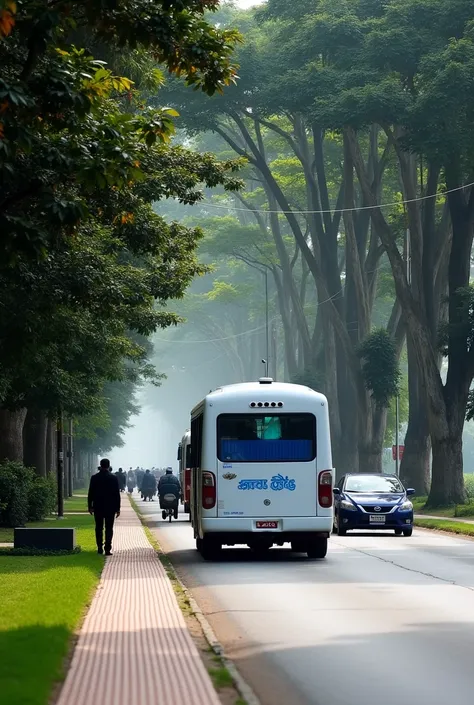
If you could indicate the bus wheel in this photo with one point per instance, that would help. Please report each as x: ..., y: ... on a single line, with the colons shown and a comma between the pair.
x: 298, y: 547
x: 210, y: 549
x: 317, y: 548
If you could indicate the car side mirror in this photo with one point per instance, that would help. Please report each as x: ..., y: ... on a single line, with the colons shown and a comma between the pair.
x: 336, y: 491
x: 410, y: 491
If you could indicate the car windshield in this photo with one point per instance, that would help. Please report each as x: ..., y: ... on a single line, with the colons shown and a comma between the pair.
x: 373, y: 483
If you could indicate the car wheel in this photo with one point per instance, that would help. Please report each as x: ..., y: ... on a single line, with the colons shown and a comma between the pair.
x: 317, y: 548
x: 408, y: 532
x: 340, y: 530
x: 398, y: 532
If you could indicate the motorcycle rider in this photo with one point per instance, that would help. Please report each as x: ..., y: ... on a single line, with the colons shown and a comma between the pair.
x: 148, y: 486
x: 169, y: 484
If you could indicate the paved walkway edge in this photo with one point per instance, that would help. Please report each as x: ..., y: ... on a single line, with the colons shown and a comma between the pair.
x: 244, y: 689
x: 134, y: 646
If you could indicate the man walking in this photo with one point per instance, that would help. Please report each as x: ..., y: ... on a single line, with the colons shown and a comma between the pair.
x: 104, y: 503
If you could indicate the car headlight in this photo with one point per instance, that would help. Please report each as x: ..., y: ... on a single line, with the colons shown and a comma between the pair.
x: 345, y: 504
x: 406, y: 505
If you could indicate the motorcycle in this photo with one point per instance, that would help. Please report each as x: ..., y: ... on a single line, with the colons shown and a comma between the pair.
x: 169, y: 505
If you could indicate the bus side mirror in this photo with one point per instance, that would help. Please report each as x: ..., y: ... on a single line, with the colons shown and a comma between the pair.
x: 179, y: 453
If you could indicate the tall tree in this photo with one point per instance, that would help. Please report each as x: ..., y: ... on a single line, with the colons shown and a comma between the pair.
x: 275, y: 98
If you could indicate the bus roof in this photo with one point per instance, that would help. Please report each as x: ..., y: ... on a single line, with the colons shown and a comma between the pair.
x: 265, y: 390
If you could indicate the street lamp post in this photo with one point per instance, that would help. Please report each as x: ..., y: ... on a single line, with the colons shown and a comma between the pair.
x: 60, y: 464
x: 266, y: 360
x: 397, y: 438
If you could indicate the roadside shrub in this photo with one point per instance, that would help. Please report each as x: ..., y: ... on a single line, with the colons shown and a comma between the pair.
x: 41, y: 498
x: 15, y: 482
x: 469, y: 485
x: 23, y: 495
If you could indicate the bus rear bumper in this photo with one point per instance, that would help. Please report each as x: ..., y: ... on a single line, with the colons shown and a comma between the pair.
x: 239, y: 530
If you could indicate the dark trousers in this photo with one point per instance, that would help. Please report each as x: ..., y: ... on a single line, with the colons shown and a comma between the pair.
x: 101, y: 519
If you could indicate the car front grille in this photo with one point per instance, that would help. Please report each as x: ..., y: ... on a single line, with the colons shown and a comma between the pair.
x: 370, y: 509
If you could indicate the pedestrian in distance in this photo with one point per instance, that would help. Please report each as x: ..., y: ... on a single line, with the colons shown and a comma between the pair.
x: 104, y: 504
x: 122, y: 478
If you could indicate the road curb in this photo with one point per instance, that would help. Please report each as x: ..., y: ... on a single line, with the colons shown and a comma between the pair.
x: 241, y: 685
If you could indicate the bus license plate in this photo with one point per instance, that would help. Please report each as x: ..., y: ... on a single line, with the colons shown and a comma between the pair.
x: 266, y: 524
x: 377, y: 519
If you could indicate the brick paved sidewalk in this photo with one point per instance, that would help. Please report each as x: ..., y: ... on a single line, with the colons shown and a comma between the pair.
x: 134, y: 647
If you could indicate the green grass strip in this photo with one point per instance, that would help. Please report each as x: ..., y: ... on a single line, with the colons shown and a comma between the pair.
x: 453, y: 527
x: 75, y: 504
x: 43, y: 600
x: 466, y: 511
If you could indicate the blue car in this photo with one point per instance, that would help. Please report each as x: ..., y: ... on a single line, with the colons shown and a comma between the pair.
x: 375, y: 502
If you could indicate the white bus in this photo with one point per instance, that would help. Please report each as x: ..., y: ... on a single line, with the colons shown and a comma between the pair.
x: 261, y: 468
x: 184, y: 458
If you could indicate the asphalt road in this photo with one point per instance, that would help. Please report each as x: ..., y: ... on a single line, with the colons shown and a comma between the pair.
x: 383, y: 620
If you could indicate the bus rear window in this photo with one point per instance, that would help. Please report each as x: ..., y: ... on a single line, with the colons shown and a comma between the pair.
x: 261, y: 438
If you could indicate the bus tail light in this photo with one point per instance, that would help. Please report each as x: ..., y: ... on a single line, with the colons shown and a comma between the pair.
x: 325, y: 489
x: 208, y: 490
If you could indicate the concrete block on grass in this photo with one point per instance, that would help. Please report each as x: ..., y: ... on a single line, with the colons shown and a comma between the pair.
x: 60, y: 539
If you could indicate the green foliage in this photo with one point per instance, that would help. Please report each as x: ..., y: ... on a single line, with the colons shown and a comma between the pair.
x: 23, y: 495
x: 15, y: 483
x: 41, y: 497
x: 469, y: 485
x: 309, y: 378
x: 102, y: 431
x: 61, y: 136
x: 380, y: 368
x: 37, y: 552
x: 77, y: 318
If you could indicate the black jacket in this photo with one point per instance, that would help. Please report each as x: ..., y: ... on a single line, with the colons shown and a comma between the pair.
x: 148, y: 482
x: 104, y: 493
x: 169, y: 483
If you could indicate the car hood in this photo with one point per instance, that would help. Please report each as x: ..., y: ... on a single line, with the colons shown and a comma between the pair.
x: 374, y: 498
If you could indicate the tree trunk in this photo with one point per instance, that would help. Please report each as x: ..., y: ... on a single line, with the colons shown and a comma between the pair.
x: 415, y: 465
x: 447, y: 486
x: 371, y: 435
x: 34, y: 441
x: 345, y: 454
x: 370, y: 457
x: 11, y: 434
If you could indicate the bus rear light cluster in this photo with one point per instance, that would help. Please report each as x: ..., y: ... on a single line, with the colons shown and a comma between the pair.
x: 208, y: 490
x: 325, y: 489
x: 266, y: 404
